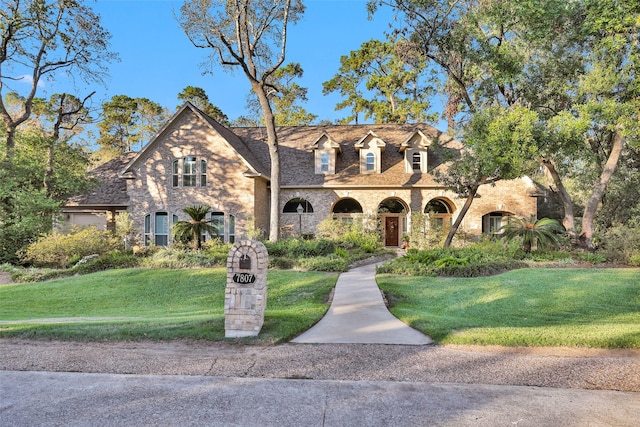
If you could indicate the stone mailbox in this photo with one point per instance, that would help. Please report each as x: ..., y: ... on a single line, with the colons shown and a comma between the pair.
x: 246, y: 294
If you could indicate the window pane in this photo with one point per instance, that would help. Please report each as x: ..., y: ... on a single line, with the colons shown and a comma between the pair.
x: 217, y: 220
x: 371, y: 162
x: 161, y: 223
x: 161, y: 229
x: 232, y: 229
x: 416, y: 160
x: 324, y: 162
x: 203, y: 173
x: 189, y: 172
x: 176, y: 174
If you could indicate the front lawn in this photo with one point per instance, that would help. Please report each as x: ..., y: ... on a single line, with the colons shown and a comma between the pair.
x: 528, y: 307
x: 159, y: 304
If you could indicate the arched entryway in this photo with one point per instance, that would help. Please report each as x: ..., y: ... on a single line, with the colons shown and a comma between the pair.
x: 393, y: 215
x: 439, y: 213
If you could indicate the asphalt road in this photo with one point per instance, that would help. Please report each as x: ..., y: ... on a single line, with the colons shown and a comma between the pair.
x: 196, y: 383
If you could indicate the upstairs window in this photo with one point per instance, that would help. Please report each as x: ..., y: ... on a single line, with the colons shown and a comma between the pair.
x: 189, y: 172
x: 175, y: 169
x: 416, y: 162
x: 203, y: 173
x: 324, y: 162
x: 370, y: 160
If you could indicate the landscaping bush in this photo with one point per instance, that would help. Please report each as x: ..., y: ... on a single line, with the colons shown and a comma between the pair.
x: 63, y: 250
x: 331, y: 262
x: 480, y: 259
x: 621, y: 244
x: 181, y: 258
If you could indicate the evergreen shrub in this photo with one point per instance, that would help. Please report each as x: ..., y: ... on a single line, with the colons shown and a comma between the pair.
x: 59, y: 250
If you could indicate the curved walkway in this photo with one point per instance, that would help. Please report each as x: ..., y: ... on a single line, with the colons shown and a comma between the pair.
x: 358, y: 315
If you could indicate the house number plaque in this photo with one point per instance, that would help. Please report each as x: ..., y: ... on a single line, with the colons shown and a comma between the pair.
x: 245, y: 297
x: 244, y: 278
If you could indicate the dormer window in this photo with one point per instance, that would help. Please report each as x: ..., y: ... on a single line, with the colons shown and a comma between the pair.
x: 370, y: 148
x: 326, y: 151
x: 415, y: 152
x: 189, y: 172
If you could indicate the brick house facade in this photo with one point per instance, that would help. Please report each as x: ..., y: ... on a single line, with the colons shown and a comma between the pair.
x: 383, y: 171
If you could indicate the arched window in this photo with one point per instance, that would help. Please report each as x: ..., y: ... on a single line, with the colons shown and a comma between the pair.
x: 292, y: 206
x: 189, y: 172
x: 392, y: 206
x: 440, y: 214
x: 370, y: 162
x: 347, y: 206
x: 217, y: 220
x: 161, y: 229
x: 437, y: 206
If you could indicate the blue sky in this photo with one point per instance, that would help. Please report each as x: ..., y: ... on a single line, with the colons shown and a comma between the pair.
x: 157, y: 60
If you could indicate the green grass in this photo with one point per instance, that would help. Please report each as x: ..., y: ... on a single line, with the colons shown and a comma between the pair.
x: 529, y: 307
x: 159, y: 304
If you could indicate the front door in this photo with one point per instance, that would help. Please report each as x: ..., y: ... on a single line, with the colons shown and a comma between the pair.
x: 391, y: 232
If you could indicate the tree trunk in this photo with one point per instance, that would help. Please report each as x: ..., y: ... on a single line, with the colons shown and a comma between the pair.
x: 10, y: 147
x: 568, y: 221
x: 598, y: 190
x: 456, y: 224
x: 274, y: 154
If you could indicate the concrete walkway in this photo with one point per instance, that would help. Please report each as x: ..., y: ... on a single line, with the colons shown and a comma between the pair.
x: 358, y: 315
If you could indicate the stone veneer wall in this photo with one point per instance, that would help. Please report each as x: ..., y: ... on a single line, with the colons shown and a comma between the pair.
x: 506, y: 196
x: 227, y: 190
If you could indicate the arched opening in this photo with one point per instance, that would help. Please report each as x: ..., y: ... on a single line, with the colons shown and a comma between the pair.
x: 393, y: 216
x: 439, y: 213
x: 347, y: 206
x: 292, y: 206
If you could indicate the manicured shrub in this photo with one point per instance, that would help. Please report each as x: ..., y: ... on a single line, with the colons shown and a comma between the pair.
x: 62, y: 250
x: 180, y: 258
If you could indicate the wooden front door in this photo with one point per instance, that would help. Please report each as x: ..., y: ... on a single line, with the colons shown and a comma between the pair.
x: 391, y: 232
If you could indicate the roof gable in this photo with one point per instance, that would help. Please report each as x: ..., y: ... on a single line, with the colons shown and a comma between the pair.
x: 254, y: 166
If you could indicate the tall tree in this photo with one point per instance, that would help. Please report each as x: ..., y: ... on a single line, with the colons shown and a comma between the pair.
x: 66, y: 113
x: 251, y: 35
x: 285, y: 95
x: 41, y: 39
x: 499, y: 144
x: 380, y: 81
x: 574, y: 63
x: 198, y: 97
x: 128, y: 121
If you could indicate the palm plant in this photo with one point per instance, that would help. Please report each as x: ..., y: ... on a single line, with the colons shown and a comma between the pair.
x: 541, y: 234
x: 193, y: 229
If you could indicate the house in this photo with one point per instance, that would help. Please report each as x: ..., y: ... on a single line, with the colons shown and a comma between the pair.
x: 384, y: 171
